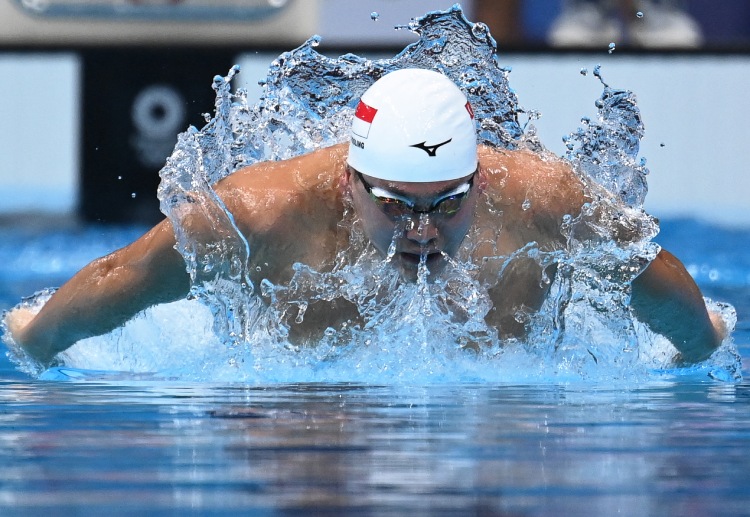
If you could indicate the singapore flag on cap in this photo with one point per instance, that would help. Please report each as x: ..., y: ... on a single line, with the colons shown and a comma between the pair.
x: 363, y: 118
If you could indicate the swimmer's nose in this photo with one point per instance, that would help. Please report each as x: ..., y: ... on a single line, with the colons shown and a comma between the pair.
x: 422, y: 230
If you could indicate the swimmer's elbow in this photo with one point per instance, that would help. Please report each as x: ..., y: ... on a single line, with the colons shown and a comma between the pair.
x: 695, y: 335
x: 668, y: 301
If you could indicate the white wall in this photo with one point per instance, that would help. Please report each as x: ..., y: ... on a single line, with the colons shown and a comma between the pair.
x: 39, y: 133
x: 695, y: 109
x: 695, y: 106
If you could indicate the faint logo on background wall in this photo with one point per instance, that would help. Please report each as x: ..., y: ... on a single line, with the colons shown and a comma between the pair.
x: 158, y: 115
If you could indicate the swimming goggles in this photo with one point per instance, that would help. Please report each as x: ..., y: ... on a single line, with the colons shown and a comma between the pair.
x: 394, y: 205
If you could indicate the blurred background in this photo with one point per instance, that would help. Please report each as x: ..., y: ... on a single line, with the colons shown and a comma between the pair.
x: 94, y: 92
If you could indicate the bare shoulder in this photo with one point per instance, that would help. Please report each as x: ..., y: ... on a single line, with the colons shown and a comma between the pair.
x: 318, y: 170
x: 524, y: 175
x: 265, y: 190
x: 289, y: 209
x: 533, y: 191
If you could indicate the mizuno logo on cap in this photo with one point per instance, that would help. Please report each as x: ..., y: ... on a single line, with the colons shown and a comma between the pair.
x: 430, y: 149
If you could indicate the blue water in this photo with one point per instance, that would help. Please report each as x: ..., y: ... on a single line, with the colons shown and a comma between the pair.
x: 158, y: 421
x: 132, y: 445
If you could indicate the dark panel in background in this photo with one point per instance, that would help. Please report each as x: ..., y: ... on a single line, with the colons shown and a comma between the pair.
x: 135, y: 103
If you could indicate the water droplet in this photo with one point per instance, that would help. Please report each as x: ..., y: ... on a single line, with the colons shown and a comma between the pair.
x: 133, y: 195
x: 374, y: 16
x: 639, y: 14
x: 611, y: 47
x: 526, y: 204
x: 301, y: 313
x: 584, y: 71
x: 480, y: 30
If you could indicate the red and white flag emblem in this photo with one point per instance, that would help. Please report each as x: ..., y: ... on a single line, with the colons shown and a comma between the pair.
x: 363, y: 118
x: 470, y: 110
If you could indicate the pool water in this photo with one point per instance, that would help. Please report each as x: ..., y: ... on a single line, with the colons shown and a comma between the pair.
x: 133, y: 445
x: 84, y: 442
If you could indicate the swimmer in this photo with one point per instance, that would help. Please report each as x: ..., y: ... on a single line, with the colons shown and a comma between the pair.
x: 416, y: 178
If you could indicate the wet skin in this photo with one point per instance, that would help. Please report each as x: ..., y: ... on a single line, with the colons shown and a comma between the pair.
x: 290, y: 211
x: 416, y: 233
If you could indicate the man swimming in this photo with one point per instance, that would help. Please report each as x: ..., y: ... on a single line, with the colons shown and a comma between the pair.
x: 419, y: 183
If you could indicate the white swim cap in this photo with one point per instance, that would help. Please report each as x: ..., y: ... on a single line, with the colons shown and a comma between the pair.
x: 414, y: 125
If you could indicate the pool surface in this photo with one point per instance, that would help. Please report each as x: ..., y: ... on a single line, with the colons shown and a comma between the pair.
x: 131, y: 445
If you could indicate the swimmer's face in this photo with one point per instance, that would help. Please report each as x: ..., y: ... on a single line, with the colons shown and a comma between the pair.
x: 429, y: 219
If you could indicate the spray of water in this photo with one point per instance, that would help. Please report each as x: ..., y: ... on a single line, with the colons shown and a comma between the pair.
x: 430, y: 330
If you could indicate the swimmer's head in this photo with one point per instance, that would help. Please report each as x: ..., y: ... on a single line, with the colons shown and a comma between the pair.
x: 413, y: 125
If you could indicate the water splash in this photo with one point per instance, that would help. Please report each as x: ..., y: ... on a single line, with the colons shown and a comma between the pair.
x: 607, y: 150
x: 431, y: 330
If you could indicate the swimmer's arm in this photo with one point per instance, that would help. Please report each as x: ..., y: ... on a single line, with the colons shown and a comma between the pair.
x: 104, y: 295
x: 666, y: 298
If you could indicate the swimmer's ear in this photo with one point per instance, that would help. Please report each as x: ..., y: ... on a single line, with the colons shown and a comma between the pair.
x: 345, y: 181
x: 348, y: 177
x: 482, y: 176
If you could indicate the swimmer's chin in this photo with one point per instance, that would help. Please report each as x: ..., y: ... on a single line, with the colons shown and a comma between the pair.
x: 408, y: 264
